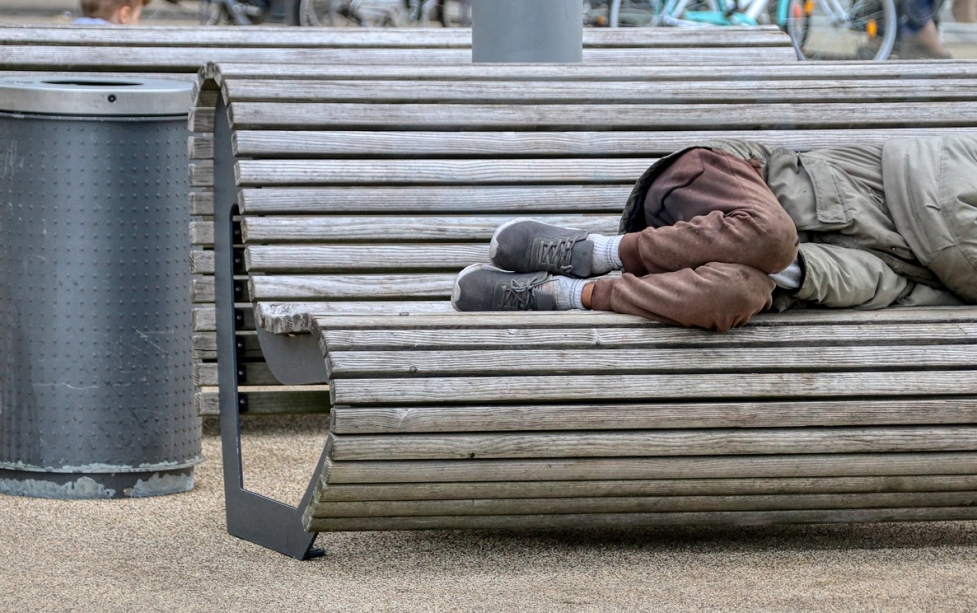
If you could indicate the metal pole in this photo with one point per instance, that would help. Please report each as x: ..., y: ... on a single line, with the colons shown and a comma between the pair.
x: 527, y: 31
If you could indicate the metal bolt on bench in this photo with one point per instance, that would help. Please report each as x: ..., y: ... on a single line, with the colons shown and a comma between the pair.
x: 96, y: 395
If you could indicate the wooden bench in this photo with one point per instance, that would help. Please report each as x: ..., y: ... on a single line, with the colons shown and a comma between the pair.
x: 345, y: 210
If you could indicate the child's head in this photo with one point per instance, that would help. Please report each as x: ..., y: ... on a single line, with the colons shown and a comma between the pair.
x: 123, y: 12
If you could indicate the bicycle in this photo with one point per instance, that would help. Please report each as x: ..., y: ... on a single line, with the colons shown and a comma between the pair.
x: 818, y: 29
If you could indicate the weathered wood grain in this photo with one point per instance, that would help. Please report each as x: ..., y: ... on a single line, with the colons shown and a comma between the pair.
x: 262, y: 400
x: 439, y: 172
x: 646, y: 504
x: 505, y: 362
x: 293, y: 317
x: 654, y: 443
x: 190, y: 58
x: 596, y: 93
x: 327, y: 493
x: 796, y: 413
x: 347, y: 258
x: 651, y: 387
x: 699, y: 467
x: 351, y: 287
x: 352, y: 143
x: 204, y: 318
x: 737, y: 115
x: 637, y: 334
x: 624, y: 71
x: 364, y: 200
x: 396, y: 38
x: 625, y: 520
x: 255, y: 373
x: 386, y: 231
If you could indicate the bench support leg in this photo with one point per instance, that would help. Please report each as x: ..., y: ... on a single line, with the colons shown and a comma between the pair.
x: 250, y: 516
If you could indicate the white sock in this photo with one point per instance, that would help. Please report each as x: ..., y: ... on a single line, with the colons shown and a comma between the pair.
x: 788, y: 278
x: 568, y: 292
x: 606, y: 253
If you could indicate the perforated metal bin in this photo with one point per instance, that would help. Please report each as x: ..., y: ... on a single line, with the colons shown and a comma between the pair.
x: 96, y: 391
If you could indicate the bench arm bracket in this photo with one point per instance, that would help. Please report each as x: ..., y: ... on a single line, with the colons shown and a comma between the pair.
x: 250, y: 516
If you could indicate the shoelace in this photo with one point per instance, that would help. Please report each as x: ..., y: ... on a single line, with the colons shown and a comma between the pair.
x: 556, y: 252
x: 520, y: 294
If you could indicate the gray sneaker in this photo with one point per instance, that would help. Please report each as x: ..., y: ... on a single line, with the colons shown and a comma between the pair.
x: 527, y: 245
x: 481, y: 287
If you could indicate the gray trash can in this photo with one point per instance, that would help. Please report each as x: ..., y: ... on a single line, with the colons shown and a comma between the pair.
x: 96, y: 391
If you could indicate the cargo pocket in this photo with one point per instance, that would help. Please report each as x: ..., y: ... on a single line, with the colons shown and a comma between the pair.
x: 809, y: 189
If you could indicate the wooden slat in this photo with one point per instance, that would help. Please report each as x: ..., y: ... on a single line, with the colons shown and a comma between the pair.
x: 201, y: 202
x: 609, y: 388
x: 699, y: 467
x: 293, y: 317
x: 444, y: 199
x: 439, y: 172
x: 255, y: 373
x: 201, y: 173
x: 637, y: 336
x: 623, y: 71
x: 258, y: 37
x: 646, y: 504
x: 959, y: 315
x: 582, y: 92
x: 201, y: 262
x: 352, y: 287
x: 505, y: 362
x: 205, y: 318
x: 456, y: 117
x: 650, y: 443
x: 352, y: 143
x: 200, y: 147
x: 327, y: 493
x: 111, y: 58
x: 632, y: 520
x: 202, y: 233
x: 204, y: 345
x: 269, y: 400
x: 346, y: 258
x: 397, y: 419
x: 392, y: 229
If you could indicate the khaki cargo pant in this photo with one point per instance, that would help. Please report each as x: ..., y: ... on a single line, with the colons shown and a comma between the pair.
x: 715, y: 231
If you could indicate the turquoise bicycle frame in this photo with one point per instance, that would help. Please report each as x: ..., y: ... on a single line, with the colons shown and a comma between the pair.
x: 724, y: 17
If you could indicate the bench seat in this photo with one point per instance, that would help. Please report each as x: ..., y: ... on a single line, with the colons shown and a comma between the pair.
x: 596, y: 419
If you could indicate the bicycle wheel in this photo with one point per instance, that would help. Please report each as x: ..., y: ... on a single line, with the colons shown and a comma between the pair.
x: 842, y: 29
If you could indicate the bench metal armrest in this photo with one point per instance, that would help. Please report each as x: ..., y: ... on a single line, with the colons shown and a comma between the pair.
x: 250, y: 516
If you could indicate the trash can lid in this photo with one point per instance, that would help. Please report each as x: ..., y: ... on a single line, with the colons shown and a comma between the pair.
x: 88, y: 96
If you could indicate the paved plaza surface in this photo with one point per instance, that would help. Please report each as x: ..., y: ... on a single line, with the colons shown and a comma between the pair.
x: 172, y: 553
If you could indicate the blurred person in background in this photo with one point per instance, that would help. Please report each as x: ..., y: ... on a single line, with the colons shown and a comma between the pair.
x: 919, y: 38
x: 111, y: 12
